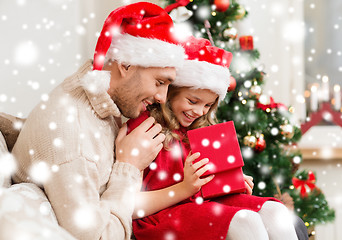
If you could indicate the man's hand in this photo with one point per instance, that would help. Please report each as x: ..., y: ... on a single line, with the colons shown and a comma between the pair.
x: 141, y: 146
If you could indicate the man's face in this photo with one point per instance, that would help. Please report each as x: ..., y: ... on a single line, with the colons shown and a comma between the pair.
x: 142, y: 87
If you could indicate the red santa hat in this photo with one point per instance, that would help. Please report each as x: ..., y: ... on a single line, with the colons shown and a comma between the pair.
x: 139, y: 34
x: 205, y: 67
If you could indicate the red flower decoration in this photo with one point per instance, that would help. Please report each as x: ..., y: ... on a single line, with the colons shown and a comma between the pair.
x: 271, y: 105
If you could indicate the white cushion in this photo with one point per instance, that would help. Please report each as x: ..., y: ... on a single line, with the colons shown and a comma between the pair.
x: 7, y: 164
x: 25, y: 213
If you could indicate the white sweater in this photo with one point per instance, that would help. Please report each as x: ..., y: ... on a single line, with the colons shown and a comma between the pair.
x: 67, y: 145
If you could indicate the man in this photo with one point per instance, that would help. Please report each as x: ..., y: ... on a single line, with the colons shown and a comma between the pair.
x: 67, y: 143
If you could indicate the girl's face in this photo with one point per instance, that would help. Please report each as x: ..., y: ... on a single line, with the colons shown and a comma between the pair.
x: 190, y: 104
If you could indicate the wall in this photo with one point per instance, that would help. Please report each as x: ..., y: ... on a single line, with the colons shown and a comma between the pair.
x: 41, y: 43
x: 39, y: 46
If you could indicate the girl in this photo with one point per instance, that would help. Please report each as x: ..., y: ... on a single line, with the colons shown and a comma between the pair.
x: 169, y: 207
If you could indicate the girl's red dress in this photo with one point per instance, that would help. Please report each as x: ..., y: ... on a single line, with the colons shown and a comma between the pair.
x: 187, y: 219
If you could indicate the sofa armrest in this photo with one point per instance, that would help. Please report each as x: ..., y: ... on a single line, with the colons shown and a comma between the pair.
x: 10, y: 128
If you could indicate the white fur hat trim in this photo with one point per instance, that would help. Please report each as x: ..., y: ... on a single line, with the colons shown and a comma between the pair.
x: 145, y: 52
x: 200, y: 74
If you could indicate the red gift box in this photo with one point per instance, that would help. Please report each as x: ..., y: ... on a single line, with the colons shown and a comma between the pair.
x: 220, y: 145
x: 246, y: 42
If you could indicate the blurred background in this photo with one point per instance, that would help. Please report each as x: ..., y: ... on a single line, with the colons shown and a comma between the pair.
x: 44, y: 41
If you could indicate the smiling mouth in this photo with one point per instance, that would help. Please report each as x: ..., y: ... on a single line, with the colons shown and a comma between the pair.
x: 189, y: 117
x: 146, y: 103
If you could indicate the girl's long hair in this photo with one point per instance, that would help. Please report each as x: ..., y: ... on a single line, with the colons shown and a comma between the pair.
x: 165, y: 117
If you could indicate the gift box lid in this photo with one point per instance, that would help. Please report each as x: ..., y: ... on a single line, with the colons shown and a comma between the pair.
x: 219, y: 144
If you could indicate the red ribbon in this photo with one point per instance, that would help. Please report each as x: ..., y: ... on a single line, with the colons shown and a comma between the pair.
x: 178, y: 3
x: 271, y: 105
x: 310, y: 182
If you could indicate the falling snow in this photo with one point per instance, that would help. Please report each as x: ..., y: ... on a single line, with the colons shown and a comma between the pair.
x: 34, y: 60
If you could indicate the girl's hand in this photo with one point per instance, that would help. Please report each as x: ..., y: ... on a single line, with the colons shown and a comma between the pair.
x: 193, y: 171
x: 248, y: 184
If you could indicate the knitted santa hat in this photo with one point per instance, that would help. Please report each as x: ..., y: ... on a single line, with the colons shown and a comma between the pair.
x: 138, y: 34
x: 205, y: 67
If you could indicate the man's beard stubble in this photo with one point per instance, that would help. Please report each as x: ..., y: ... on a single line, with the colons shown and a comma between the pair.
x: 128, y: 98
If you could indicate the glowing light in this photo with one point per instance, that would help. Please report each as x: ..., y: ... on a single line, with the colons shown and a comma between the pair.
x: 263, y: 99
x: 40, y: 172
x: 141, y: 213
x: 205, y: 142
x: 55, y: 168
x: 80, y: 30
x: 21, y: 2
x: 242, y: 64
x: 3, y: 98
x: 247, y: 84
x: 45, y: 208
x: 44, y: 97
x: 26, y: 53
x: 135, y: 152
x: 199, y: 200
x: 52, y: 125
x: 7, y: 165
x: 170, y: 236
x: 84, y: 217
x: 294, y: 31
x: 274, y: 68
x: 226, y: 188
x: 247, y: 152
x: 162, y: 175
x: 203, y: 13
x: 297, y: 160
x: 177, y: 177
x: 176, y: 151
x: 261, y: 185
x: 231, y: 159
x: 326, y: 152
x: 153, y: 166
x: 274, y: 131
x: 57, y: 142
x: 216, y: 145
x: 277, y: 9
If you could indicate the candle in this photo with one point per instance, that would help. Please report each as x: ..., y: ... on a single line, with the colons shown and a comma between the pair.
x: 303, y: 111
x: 302, y: 108
x: 314, y: 98
x: 337, y: 97
x: 325, y: 89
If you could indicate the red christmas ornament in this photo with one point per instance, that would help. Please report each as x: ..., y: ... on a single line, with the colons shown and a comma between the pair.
x: 221, y: 5
x: 232, y: 84
x: 246, y: 42
x: 260, y: 144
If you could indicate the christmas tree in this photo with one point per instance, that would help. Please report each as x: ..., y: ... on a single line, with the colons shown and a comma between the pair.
x: 267, y: 131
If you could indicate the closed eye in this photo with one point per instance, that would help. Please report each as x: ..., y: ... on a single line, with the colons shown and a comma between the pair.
x: 191, y: 101
x: 160, y: 82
